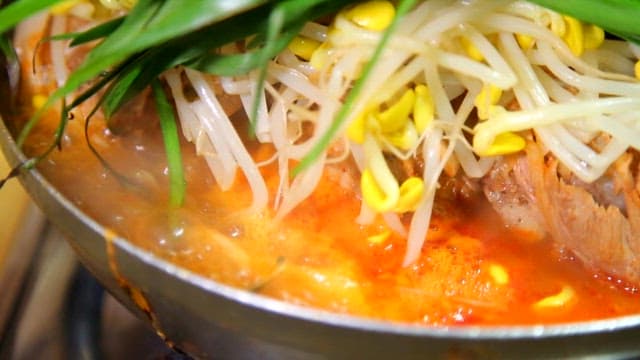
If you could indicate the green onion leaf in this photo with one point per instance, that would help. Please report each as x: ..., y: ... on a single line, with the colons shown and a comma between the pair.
x: 171, y: 139
x: 97, y: 32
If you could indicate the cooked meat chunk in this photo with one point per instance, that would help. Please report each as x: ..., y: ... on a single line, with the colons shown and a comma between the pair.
x: 508, y: 188
x: 528, y: 192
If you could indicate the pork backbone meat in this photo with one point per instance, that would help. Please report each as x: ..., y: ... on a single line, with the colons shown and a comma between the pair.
x: 529, y: 193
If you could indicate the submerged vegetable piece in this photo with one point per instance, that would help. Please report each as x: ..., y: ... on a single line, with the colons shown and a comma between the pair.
x: 561, y: 299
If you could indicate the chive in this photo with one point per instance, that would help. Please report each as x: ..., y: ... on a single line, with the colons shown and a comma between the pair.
x: 56, y: 144
x: 97, y: 32
x: 177, y: 184
x: 403, y: 7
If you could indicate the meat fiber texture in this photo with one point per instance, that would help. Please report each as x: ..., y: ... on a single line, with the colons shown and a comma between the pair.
x: 599, y: 222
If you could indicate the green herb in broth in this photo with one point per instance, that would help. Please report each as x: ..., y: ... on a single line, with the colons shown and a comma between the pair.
x: 171, y: 143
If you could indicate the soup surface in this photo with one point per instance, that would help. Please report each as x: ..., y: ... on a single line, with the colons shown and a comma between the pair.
x: 472, y: 269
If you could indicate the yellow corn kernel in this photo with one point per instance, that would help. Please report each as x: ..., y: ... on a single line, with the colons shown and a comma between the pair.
x: 499, y: 274
x: 303, y: 47
x: 593, y: 36
x: 405, y: 138
x: 471, y: 49
x: 557, y: 300
x: 118, y: 4
x: 488, y: 96
x: 379, y: 238
x: 372, y: 15
x: 64, y: 7
x: 373, y: 195
x: 574, y: 37
x: 525, y: 41
x: 397, y: 115
x: 357, y: 128
x: 423, y: 108
x: 320, y: 56
x: 505, y: 143
x: 38, y: 101
x: 411, y: 192
x: 636, y: 69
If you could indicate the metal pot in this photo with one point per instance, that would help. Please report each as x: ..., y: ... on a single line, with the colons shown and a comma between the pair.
x: 207, y: 319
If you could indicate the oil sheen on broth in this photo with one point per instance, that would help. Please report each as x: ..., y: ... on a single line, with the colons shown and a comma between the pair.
x: 471, y: 270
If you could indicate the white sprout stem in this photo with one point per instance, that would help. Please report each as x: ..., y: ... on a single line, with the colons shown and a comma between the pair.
x: 315, y: 31
x: 208, y: 141
x: 421, y: 218
x: 614, y: 61
x: 475, y: 69
x: 616, y: 126
x: 546, y: 56
x: 554, y: 88
x: 233, y: 86
x: 262, y: 127
x: 384, y: 178
x: 457, y: 14
x: 467, y: 159
x: 394, y: 223
x: 213, y: 146
x: 498, y: 22
x: 301, y: 188
x: 240, y: 153
x: 492, y: 56
x: 526, y: 73
x: 298, y: 82
x: 506, y: 121
x: 58, y: 59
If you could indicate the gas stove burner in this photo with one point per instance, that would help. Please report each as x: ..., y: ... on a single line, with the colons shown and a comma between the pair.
x: 64, y: 313
x: 96, y: 326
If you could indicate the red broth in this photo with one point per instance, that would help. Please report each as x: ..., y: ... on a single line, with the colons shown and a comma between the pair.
x: 473, y: 270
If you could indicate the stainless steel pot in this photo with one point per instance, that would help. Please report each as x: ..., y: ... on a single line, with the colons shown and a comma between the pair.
x: 210, y: 320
